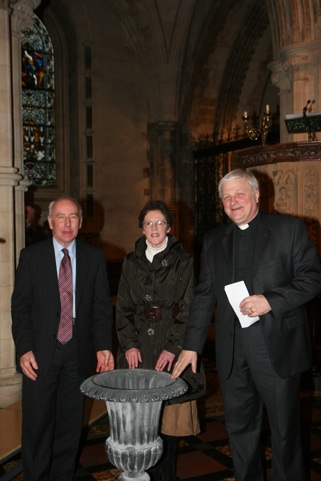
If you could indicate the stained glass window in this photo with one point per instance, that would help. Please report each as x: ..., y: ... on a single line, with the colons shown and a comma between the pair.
x: 38, y: 106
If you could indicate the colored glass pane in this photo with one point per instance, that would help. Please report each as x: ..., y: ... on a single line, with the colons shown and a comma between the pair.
x: 38, y: 103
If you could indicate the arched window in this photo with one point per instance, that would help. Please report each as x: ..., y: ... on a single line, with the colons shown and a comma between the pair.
x: 38, y: 106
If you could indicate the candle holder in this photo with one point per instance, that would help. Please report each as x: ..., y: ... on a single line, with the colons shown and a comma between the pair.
x: 255, y: 131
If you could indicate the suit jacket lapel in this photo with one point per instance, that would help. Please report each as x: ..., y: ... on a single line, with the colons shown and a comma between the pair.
x: 82, y: 266
x: 228, y: 249
x: 51, y: 268
x: 262, y: 243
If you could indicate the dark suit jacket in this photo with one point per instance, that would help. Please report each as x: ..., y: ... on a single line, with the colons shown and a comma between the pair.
x: 36, y: 304
x: 285, y: 270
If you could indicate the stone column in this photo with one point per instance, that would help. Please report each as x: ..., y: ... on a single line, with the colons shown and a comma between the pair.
x: 282, y: 80
x: 12, y: 183
x: 297, y: 76
x: 161, y: 137
x: 162, y: 140
x: 21, y: 19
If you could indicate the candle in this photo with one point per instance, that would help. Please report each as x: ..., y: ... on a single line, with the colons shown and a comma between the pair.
x: 267, y: 108
x: 245, y: 114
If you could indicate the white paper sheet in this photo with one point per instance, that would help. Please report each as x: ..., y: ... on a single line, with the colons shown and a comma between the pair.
x: 236, y: 292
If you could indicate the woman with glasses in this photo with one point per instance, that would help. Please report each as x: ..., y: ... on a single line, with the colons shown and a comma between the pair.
x: 154, y: 296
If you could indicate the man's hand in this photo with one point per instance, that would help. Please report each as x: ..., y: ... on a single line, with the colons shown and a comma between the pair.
x: 28, y: 365
x: 256, y: 305
x: 165, y: 358
x: 184, y: 359
x: 105, y: 361
x: 133, y: 357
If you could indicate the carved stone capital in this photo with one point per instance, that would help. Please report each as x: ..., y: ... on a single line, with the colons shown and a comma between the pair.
x: 161, y: 134
x: 9, y: 176
x: 280, y: 76
x: 297, y: 61
x: 166, y: 126
x: 23, y: 185
x: 22, y: 13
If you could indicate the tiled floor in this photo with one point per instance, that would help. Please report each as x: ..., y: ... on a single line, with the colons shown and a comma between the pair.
x: 207, y: 457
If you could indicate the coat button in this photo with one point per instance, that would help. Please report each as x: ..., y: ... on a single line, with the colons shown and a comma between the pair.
x: 148, y: 298
x: 150, y: 332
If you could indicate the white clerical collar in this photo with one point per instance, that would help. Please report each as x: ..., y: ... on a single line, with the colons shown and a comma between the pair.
x: 243, y: 227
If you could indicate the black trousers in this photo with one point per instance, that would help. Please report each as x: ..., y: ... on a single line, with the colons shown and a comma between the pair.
x: 253, y: 382
x: 52, y: 410
x: 165, y: 469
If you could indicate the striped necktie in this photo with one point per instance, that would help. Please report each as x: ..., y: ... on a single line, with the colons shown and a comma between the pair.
x: 66, y: 299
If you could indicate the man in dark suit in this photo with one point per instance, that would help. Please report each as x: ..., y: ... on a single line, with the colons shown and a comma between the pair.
x: 34, y: 232
x: 54, y: 367
x: 262, y: 363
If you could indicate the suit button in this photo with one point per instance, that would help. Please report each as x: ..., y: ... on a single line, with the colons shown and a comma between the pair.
x: 54, y: 336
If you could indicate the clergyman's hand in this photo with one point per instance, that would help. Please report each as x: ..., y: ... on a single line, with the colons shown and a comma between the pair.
x: 256, y: 305
x: 184, y: 359
x: 29, y: 365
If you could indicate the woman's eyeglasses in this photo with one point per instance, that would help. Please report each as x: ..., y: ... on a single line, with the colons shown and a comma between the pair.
x: 158, y: 223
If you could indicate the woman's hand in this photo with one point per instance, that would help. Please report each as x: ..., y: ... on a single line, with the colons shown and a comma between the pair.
x: 165, y: 358
x: 133, y: 357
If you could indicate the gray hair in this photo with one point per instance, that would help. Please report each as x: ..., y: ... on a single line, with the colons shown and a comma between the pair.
x: 64, y: 197
x: 239, y: 174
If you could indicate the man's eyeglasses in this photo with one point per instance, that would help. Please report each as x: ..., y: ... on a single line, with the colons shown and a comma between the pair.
x: 71, y: 217
x: 158, y: 223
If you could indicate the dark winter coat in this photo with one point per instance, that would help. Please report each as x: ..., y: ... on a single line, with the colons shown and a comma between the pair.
x: 168, y: 283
